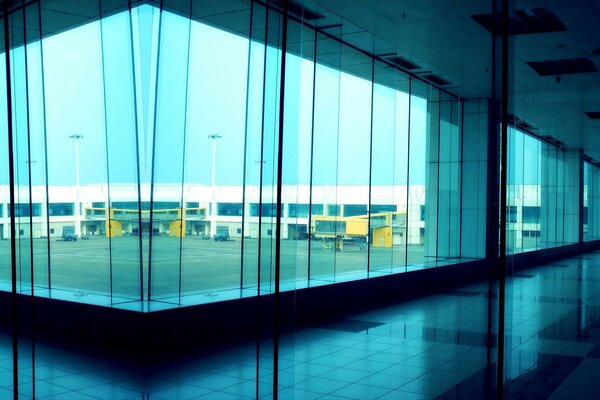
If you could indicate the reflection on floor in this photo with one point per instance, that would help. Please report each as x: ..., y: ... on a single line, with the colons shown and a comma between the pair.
x: 433, y: 347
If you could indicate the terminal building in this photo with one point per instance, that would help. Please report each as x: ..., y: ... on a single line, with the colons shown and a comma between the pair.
x: 299, y: 199
x: 236, y: 219
x: 195, y: 217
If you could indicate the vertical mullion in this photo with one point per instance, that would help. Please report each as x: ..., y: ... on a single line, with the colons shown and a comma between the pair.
x: 409, y: 134
x: 394, y: 144
x: 30, y: 192
x: 137, y: 155
x: 338, y: 208
x: 262, y: 152
x: 312, y: 153
x: 459, y: 125
x: 371, y: 168
x: 563, y: 189
x: 153, y: 169
x: 503, y: 181
x: 45, y: 144
x: 580, y: 205
x: 260, y: 202
x: 11, y: 177
x: 245, y: 171
x: 108, y: 206
x: 182, y: 209
x: 279, y: 210
x: 28, y: 131
x: 438, y: 161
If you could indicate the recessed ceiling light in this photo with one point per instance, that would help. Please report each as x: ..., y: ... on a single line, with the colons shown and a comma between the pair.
x: 563, y: 66
x: 403, y: 63
x: 436, y: 79
x: 593, y: 114
x: 535, y: 20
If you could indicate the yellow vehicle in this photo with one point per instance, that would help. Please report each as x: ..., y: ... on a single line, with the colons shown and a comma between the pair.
x: 119, y: 220
x: 334, y: 230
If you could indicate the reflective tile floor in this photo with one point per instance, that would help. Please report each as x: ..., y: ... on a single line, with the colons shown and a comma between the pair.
x: 436, y: 347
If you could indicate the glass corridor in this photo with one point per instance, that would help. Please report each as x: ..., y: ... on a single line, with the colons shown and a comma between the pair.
x: 161, y: 153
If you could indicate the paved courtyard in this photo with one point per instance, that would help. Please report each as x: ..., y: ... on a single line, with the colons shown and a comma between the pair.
x: 204, y: 265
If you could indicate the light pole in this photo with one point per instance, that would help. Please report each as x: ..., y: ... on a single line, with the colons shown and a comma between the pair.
x: 213, y: 201
x: 76, y: 137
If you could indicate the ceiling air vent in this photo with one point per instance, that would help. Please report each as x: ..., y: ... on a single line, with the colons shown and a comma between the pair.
x: 524, y: 126
x: 553, y: 140
x: 521, y: 22
x: 520, y: 124
x: 513, y: 119
x: 563, y: 67
x: 403, y: 63
x: 298, y: 10
x: 436, y: 80
x: 593, y: 114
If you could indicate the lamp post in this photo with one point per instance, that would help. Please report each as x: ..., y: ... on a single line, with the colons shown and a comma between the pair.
x: 213, y: 201
x: 76, y: 137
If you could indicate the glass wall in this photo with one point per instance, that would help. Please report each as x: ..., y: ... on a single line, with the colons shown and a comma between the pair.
x: 176, y: 153
x: 591, y: 201
x: 148, y: 155
x: 542, y: 194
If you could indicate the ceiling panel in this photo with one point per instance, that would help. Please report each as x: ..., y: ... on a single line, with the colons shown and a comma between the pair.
x: 443, y: 38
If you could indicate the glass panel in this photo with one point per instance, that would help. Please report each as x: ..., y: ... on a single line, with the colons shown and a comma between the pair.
x: 214, y: 167
x: 455, y: 178
x: 159, y: 140
x: 586, y: 202
x: 268, y: 154
x: 531, y: 193
x: 571, y: 193
x: 548, y: 187
x: 543, y: 204
x: 115, y: 212
x: 418, y: 194
x: 296, y: 158
x: 298, y: 105
x: 560, y: 197
x: 400, y: 233
x: 444, y: 175
x: 36, y: 157
x: 267, y: 200
x: 165, y: 213
x: 353, y: 166
x: 5, y: 229
x: 383, y: 159
x: 253, y: 150
x: 76, y: 156
x: 324, y: 227
x: 592, y: 215
x: 25, y: 210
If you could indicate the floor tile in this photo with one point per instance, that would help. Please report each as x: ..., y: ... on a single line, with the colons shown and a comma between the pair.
x: 361, y: 392
x: 419, y: 349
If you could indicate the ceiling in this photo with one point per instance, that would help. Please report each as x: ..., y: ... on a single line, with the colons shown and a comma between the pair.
x: 440, y: 37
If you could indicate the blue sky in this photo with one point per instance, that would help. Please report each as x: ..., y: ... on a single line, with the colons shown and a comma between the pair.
x: 210, y: 99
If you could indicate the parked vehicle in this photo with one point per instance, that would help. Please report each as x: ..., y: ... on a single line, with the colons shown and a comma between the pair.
x: 221, y: 237
x: 69, y: 237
